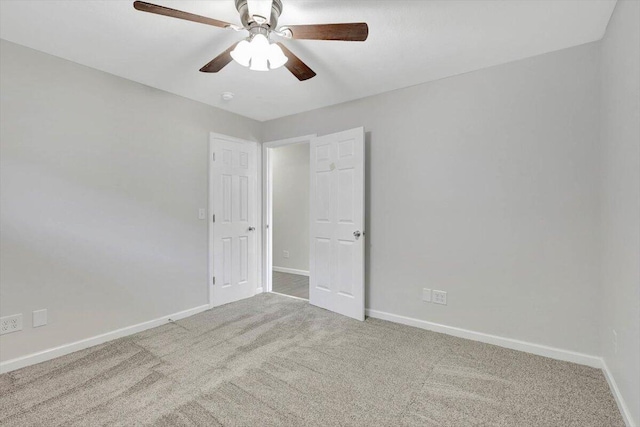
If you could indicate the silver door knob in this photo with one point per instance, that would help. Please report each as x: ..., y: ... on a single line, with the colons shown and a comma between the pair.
x: 357, y: 234
x: 252, y: 228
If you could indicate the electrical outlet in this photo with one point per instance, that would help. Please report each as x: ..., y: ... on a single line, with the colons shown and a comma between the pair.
x: 202, y: 213
x: 10, y: 324
x: 39, y: 318
x: 285, y: 254
x: 440, y: 297
x: 426, y: 295
x: 615, y: 342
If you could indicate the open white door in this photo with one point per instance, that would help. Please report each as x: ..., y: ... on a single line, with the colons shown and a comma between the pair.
x: 233, y: 196
x: 337, y: 221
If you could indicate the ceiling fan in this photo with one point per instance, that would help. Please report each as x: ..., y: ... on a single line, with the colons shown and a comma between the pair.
x: 260, y: 19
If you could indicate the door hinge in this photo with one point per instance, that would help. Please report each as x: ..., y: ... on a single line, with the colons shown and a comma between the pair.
x: 214, y: 218
x: 214, y: 157
x: 214, y: 280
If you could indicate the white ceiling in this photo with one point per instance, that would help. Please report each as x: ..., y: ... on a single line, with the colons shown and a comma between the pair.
x: 410, y: 42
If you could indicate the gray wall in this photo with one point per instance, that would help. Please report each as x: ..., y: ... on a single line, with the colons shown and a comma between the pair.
x: 290, y: 166
x: 101, y: 181
x: 484, y: 185
x: 621, y: 200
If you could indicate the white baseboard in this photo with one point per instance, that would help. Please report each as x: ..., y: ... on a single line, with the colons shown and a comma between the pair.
x: 540, y: 350
x: 622, y: 406
x: 291, y: 271
x: 259, y: 290
x: 52, y: 353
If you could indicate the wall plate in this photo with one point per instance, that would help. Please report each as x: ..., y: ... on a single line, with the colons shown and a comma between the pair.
x: 39, y: 318
x: 440, y: 297
x: 10, y: 324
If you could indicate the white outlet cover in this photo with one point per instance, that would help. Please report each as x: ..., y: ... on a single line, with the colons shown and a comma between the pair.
x: 440, y: 297
x: 10, y: 324
x: 39, y: 318
x: 202, y: 214
x: 426, y: 295
x: 285, y: 254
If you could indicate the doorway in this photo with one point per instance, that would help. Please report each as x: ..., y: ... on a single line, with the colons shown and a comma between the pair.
x: 286, y: 213
x: 290, y: 220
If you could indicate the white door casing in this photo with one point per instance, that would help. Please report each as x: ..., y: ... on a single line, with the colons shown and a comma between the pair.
x: 234, y: 232
x: 337, y: 216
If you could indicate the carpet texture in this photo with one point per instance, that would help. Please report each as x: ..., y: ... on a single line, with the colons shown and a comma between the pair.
x: 295, y: 285
x: 276, y: 361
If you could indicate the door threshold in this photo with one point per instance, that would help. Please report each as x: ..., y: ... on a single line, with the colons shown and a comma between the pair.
x: 289, y: 296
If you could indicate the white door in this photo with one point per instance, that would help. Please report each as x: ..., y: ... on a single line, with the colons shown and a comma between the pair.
x: 337, y: 223
x: 233, y: 195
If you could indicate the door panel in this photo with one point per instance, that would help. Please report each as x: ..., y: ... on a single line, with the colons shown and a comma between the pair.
x: 337, y: 212
x: 234, y: 191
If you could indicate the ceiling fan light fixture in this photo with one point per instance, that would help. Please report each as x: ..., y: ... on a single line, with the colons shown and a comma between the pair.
x: 259, y: 54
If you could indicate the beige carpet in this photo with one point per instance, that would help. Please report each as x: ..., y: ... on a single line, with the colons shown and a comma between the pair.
x: 295, y: 285
x: 277, y: 361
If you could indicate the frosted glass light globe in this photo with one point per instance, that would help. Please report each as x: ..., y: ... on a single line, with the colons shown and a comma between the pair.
x: 242, y: 53
x: 276, y: 57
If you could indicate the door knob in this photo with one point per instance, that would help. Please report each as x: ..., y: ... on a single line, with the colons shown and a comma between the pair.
x: 252, y: 228
x: 357, y: 234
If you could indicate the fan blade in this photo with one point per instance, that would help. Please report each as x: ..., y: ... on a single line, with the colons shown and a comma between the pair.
x: 220, y: 61
x: 355, y: 32
x: 296, y: 66
x: 161, y: 10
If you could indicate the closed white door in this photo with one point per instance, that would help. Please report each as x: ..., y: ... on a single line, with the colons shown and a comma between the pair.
x: 337, y: 223
x: 233, y: 192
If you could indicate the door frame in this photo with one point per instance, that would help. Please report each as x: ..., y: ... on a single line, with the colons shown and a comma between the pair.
x: 257, y: 211
x: 267, y: 204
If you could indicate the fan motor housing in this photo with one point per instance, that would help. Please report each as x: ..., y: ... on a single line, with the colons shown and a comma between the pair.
x: 248, y: 21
